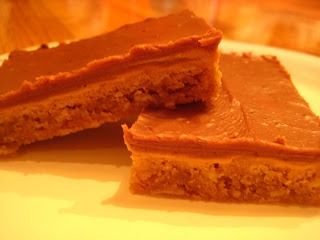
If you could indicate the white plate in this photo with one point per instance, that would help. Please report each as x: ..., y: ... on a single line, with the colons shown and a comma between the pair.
x: 76, y: 187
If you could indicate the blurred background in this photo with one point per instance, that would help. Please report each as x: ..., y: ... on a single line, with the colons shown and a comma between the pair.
x: 290, y: 24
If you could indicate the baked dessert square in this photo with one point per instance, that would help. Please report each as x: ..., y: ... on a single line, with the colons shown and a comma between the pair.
x: 258, y: 142
x: 56, y: 91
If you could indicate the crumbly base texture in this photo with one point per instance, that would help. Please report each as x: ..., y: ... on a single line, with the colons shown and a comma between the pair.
x: 227, y: 178
x: 108, y: 101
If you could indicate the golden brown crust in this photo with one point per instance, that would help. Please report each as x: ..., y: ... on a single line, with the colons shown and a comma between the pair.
x: 227, y: 178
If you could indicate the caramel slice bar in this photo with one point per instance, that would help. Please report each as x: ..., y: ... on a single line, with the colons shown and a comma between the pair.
x: 257, y: 142
x: 53, y: 92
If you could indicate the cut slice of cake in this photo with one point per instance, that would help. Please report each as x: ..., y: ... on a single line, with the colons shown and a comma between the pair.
x: 257, y: 142
x: 53, y: 92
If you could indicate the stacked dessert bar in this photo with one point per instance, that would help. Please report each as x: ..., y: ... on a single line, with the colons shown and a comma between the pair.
x: 257, y: 142
x: 56, y: 91
x: 246, y: 137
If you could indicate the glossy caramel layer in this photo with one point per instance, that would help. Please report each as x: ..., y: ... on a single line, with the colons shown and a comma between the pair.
x: 258, y: 111
x: 29, y: 75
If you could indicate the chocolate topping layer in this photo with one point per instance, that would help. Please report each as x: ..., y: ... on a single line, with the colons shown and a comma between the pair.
x: 258, y: 110
x: 47, y: 71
